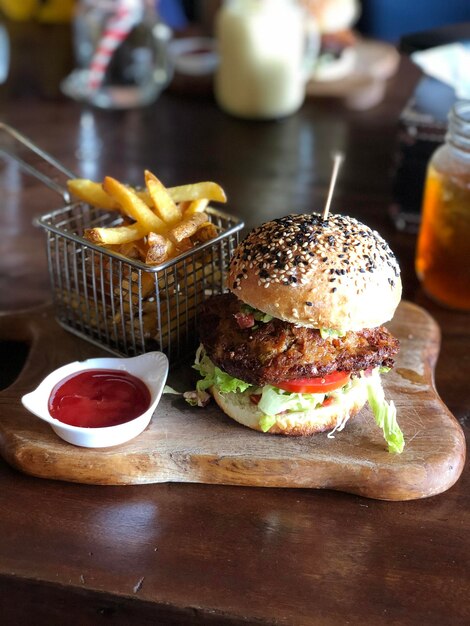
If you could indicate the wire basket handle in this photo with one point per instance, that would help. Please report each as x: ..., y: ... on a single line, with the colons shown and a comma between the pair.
x: 6, y: 150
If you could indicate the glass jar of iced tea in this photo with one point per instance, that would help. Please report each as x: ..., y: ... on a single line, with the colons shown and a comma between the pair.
x: 443, y: 252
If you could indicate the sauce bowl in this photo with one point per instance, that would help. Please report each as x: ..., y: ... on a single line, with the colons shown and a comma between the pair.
x: 151, y: 368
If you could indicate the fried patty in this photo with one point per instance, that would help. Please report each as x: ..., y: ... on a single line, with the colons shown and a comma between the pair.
x: 276, y: 351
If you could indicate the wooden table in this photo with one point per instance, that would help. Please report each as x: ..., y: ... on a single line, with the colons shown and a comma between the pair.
x: 201, y: 554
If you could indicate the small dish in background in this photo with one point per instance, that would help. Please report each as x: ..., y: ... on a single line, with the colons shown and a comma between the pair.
x: 194, y: 56
x: 151, y: 368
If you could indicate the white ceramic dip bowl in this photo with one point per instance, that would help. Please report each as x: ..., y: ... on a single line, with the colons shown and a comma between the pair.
x: 151, y: 368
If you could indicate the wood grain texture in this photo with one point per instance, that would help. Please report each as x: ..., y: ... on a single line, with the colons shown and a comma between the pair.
x: 184, y: 444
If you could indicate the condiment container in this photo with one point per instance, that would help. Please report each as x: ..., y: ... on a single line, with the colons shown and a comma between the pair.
x: 443, y: 251
x: 266, y: 53
x: 151, y: 368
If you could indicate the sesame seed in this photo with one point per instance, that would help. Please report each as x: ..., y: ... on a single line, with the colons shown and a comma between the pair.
x: 299, y: 243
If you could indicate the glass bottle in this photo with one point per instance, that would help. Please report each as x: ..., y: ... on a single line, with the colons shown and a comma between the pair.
x: 443, y: 251
x: 266, y: 49
x: 121, y: 53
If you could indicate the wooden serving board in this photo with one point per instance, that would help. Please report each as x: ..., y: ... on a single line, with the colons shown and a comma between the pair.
x: 185, y: 444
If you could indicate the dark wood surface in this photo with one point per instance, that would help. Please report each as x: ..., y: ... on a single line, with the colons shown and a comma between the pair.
x: 205, y: 554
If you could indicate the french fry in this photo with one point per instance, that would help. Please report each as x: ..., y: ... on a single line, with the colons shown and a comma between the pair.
x: 92, y: 193
x: 205, y: 233
x: 184, y: 245
x: 132, y: 205
x: 143, y: 195
x: 116, y: 235
x: 187, y: 227
x: 134, y: 249
x: 159, y: 249
x: 193, y: 275
x: 157, y: 224
x: 147, y: 284
x: 163, y: 203
x: 196, y: 206
x: 196, y: 191
x: 136, y: 297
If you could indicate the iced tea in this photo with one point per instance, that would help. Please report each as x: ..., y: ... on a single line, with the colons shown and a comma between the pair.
x: 443, y: 254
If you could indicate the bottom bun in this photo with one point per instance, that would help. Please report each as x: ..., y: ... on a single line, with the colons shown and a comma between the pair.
x: 332, y: 417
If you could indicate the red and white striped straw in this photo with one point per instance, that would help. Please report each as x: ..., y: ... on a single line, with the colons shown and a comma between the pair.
x: 118, y: 27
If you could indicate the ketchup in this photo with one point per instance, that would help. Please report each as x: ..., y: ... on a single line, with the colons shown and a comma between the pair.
x: 99, y: 397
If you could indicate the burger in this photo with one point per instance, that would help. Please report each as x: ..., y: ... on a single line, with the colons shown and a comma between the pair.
x: 297, y: 346
x: 334, y: 20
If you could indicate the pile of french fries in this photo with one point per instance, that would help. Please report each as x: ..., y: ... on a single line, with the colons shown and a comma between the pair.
x: 157, y: 225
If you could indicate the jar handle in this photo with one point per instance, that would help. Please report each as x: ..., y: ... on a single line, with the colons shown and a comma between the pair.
x: 312, y: 47
x: 162, y: 35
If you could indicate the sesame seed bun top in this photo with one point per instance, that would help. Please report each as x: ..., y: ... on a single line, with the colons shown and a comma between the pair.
x: 335, y: 273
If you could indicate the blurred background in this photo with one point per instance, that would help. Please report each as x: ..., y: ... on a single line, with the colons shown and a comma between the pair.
x: 358, y: 54
x: 385, y: 20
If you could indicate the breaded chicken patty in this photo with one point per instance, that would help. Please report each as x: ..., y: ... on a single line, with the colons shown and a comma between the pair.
x: 277, y: 351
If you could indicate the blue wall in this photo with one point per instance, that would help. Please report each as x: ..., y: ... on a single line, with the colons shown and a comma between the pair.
x: 390, y: 19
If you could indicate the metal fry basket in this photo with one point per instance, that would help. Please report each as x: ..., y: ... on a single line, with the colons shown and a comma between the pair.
x: 122, y: 304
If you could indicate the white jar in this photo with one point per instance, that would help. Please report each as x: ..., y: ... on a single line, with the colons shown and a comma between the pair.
x: 266, y: 51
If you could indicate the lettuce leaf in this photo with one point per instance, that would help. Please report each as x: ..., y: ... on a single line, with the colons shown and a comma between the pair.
x: 212, y: 375
x: 325, y: 333
x: 385, y: 415
x: 266, y: 422
x: 197, y: 398
x: 274, y: 401
x: 227, y: 383
x: 259, y: 316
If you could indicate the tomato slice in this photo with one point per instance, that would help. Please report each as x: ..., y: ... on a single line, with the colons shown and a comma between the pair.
x: 320, y: 384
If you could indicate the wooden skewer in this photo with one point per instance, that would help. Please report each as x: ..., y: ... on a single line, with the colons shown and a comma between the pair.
x: 338, y: 159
